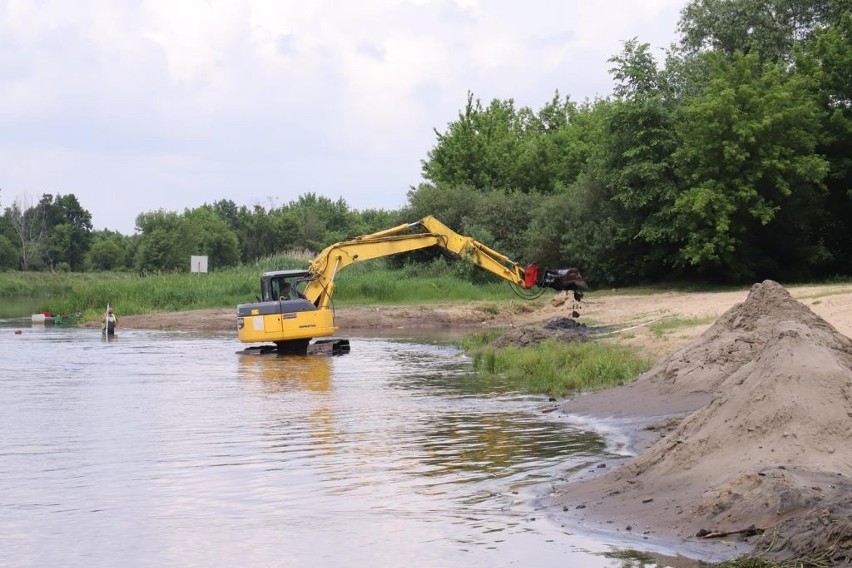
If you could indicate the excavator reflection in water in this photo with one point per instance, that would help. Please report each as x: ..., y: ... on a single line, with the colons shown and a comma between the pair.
x: 312, y: 425
x: 286, y: 374
x: 295, y: 305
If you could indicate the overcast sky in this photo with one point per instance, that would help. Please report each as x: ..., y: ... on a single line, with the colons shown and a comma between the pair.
x: 135, y: 106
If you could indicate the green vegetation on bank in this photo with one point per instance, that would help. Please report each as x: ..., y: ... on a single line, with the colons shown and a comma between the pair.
x: 557, y: 368
x: 373, y: 282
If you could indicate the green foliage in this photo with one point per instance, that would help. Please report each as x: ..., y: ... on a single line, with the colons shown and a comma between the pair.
x: 825, y: 63
x: 770, y: 28
x: 110, y: 251
x: 749, y: 172
x: 635, y: 72
x: 558, y: 368
x: 56, y: 231
x: 68, y: 230
x: 501, y: 147
x: 214, y: 238
x: 10, y: 258
x: 133, y: 294
x: 166, y: 242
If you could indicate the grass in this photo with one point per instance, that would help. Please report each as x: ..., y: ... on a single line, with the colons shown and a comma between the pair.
x: 41, y: 284
x: 835, y: 292
x: 557, y: 368
x: 369, y: 283
x: 670, y: 324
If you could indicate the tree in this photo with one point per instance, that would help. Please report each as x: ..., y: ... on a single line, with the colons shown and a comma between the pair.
x: 10, y: 259
x: 751, y: 194
x: 477, y: 150
x: 109, y: 251
x: 262, y: 233
x: 214, y: 238
x: 500, y: 147
x: 824, y: 63
x: 68, y: 230
x: 30, y: 225
x: 772, y: 27
x: 166, y: 243
x: 313, y: 222
x: 633, y: 158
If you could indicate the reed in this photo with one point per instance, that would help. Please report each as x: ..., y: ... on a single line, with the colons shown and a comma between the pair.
x: 368, y: 283
x: 40, y: 284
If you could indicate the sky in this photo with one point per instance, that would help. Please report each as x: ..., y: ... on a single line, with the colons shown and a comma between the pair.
x: 137, y: 106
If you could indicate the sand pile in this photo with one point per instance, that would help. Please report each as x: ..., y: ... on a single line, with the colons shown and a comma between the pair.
x: 769, y: 450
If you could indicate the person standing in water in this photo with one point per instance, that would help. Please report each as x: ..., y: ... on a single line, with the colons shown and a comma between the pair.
x: 110, y: 322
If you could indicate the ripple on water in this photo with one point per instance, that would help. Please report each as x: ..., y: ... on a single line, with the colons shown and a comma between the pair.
x: 163, y: 448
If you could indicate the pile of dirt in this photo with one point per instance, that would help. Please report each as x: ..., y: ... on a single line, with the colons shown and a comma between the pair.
x: 769, y: 449
x: 563, y: 329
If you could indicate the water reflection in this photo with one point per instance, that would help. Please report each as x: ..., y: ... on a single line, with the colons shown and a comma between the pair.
x: 303, y: 429
x: 18, y: 309
x: 284, y: 373
x: 496, y: 444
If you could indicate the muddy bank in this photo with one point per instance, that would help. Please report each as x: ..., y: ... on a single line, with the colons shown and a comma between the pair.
x: 437, y: 316
x: 742, y: 436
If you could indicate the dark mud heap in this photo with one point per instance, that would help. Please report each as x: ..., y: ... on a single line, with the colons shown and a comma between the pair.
x: 767, y: 449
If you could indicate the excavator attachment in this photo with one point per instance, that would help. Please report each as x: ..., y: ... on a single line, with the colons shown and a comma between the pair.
x: 556, y: 278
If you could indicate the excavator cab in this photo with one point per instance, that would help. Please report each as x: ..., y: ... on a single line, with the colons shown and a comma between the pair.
x: 283, y: 315
x: 283, y: 285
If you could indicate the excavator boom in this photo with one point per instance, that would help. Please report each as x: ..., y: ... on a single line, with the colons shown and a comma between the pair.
x: 295, y: 305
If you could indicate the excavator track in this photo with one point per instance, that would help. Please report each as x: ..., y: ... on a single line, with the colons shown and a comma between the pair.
x: 331, y: 346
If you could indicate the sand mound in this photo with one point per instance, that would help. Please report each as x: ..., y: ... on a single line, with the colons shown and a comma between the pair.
x: 736, y: 338
x: 771, y: 446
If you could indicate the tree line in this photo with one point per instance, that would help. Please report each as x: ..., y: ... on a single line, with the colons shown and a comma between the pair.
x: 56, y: 234
x: 728, y: 160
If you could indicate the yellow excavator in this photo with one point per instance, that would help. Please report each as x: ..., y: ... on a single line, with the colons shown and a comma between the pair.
x: 295, y: 306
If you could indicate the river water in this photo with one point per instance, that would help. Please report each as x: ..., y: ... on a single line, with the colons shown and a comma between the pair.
x: 170, y: 449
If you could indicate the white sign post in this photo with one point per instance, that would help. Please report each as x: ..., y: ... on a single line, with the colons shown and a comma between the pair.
x: 198, y: 264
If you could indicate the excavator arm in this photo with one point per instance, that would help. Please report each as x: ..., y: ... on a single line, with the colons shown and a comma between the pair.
x: 402, y: 239
x: 290, y: 321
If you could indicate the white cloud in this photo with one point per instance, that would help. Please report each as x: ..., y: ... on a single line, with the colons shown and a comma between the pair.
x: 173, y: 103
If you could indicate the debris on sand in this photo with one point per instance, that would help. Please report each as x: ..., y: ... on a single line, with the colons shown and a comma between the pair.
x: 561, y: 329
x: 769, y: 451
